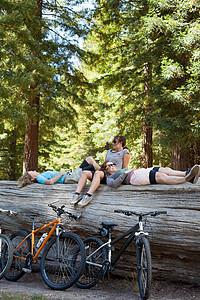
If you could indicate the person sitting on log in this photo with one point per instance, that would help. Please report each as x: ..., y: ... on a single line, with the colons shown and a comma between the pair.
x: 97, y: 178
x: 52, y: 177
x: 119, y: 155
x: 152, y: 175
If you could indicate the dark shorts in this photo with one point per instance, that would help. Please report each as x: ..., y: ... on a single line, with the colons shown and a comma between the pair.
x: 86, y: 167
x: 103, y: 180
x: 152, y: 175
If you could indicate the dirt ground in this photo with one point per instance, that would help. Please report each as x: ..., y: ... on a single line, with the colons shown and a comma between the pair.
x: 112, y: 289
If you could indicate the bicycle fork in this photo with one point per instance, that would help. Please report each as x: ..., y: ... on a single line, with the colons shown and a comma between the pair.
x: 106, y: 267
x: 138, y: 235
x: 59, y: 231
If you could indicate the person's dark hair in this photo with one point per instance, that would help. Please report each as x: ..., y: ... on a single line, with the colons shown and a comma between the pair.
x: 105, y: 169
x: 121, y: 139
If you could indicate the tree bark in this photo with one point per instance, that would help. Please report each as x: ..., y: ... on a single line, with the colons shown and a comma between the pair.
x: 30, y: 161
x: 174, y: 238
x: 147, y: 155
x: 180, y: 158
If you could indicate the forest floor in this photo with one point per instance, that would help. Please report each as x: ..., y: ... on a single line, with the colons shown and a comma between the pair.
x: 31, y: 286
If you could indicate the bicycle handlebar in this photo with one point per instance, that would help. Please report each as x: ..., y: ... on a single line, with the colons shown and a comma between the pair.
x: 129, y: 213
x: 60, y: 211
x: 8, y: 212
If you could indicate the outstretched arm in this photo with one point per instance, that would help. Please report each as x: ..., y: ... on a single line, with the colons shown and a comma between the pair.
x: 54, y: 179
x: 116, y: 179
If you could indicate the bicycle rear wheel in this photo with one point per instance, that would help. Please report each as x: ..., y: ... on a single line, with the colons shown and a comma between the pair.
x: 62, y: 263
x: 19, y: 255
x: 93, y: 265
x: 6, y: 254
x: 144, y: 267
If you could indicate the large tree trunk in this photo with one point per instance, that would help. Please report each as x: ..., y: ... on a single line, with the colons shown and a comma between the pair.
x: 147, y: 156
x: 174, y: 238
x: 180, y: 158
x: 30, y: 161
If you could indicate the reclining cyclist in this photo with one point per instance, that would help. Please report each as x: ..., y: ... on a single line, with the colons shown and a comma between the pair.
x: 53, y: 177
x: 154, y: 175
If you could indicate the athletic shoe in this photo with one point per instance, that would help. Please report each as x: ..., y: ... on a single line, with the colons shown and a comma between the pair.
x: 76, y: 198
x: 85, y: 200
x: 192, y: 175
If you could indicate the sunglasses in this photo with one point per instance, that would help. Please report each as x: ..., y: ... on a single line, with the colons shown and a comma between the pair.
x: 110, y: 165
x: 115, y: 142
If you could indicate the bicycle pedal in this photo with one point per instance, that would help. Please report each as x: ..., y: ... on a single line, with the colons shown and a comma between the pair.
x: 100, y: 281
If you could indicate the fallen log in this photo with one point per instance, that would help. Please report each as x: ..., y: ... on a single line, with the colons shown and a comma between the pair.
x: 174, y: 238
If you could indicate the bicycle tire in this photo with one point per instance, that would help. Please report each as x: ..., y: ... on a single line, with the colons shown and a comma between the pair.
x: 19, y: 255
x: 91, y: 274
x: 6, y: 254
x: 144, y: 267
x: 61, y: 272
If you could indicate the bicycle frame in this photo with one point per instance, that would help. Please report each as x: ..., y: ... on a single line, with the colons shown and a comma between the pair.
x: 55, y: 224
x: 131, y: 232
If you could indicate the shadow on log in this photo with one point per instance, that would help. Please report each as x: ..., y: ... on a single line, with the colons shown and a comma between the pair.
x: 174, y: 238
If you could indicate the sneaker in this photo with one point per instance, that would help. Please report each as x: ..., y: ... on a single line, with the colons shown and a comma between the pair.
x: 192, y: 174
x: 85, y: 200
x: 76, y: 198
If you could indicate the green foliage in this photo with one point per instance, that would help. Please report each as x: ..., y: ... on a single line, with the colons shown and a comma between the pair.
x: 37, y: 47
x: 165, y: 34
x: 81, y: 109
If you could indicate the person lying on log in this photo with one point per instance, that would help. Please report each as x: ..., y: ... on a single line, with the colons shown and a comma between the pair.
x: 152, y: 175
x: 52, y: 177
x: 109, y: 175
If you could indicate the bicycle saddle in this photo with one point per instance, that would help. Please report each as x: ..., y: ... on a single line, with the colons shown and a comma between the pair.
x: 32, y: 215
x: 108, y: 225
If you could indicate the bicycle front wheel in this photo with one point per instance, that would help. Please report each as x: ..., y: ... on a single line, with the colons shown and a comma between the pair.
x: 19, y: 255
x: 94, y: 262
x: 144, y: 267
x: 63, y: 261
x: 6, y: 254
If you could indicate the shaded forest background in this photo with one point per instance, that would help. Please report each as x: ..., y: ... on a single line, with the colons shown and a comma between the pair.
x: 73, y: 74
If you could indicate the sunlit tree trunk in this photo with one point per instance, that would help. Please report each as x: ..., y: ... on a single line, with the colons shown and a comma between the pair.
x: 30, y: 161
x: 31, y: 139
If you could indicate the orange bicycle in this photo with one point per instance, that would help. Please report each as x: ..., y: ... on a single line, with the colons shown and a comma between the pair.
x: 62, y: 260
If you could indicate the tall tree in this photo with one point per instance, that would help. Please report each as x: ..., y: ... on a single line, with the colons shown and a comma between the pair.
x: 38, y: 41
x: 163, y: 36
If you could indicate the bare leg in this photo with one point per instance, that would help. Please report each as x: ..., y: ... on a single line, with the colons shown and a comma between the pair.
x: 165, y: 179
x: 98, y: 175
x: 170, y: 172
x: 83, y: 180
x: 90, y: 160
